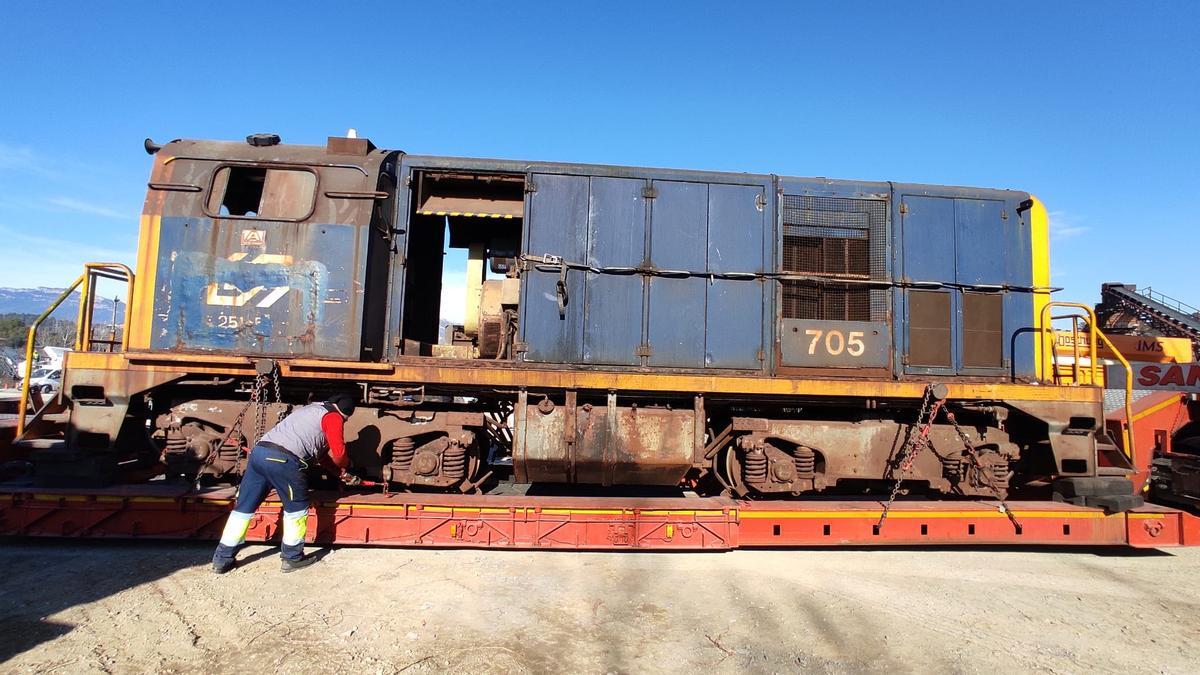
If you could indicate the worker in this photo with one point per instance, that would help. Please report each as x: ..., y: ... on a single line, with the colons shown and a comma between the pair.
x: 310, y: 434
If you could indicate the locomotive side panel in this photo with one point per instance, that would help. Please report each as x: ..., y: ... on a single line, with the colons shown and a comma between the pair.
x: 645, y: 271
x: 965, y: 265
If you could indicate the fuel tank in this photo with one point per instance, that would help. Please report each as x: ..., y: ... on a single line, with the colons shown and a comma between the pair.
x: 602, y: 443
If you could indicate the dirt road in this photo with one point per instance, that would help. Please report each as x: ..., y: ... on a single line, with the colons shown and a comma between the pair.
x: 136, y: 607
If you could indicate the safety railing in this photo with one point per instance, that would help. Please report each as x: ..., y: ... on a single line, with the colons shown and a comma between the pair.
x: 92, y: 273
x: 1049, y: 371
x: 1077, y: 320
x: 1164, y: 299
x: 84, y: 338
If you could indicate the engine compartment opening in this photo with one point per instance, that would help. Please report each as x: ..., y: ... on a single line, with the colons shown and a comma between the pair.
x: 462, y: 285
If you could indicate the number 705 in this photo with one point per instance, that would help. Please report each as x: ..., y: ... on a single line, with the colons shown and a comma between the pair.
x: 836, y: 342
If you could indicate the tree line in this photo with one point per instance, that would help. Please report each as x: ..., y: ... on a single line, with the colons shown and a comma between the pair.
x: 14, y: 330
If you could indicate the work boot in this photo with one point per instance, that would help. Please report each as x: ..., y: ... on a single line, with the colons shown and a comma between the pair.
x: 299, y: 563
x: 223, y: 566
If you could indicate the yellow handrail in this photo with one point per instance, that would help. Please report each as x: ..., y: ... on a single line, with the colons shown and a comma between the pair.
x: 1094, y: 338
x: 83, y: 335
x: 1128, y: 395
x: 1047, y: 326
x: 107, y: 270
x: 29, y: 344
x: 1075, y: 321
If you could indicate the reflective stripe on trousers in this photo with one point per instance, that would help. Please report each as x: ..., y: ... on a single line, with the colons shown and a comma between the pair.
x: 295, y: 527
x: 234, y: 533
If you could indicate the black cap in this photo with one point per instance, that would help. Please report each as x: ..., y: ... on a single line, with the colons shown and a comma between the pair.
x: 344, y: 402
x: 263, y: 140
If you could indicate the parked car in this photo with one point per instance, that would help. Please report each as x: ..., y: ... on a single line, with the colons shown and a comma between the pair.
x: 45, y: 380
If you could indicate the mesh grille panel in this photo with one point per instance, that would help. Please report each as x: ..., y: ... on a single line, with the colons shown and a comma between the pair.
x: 836, y: 238
x: 826, y: 302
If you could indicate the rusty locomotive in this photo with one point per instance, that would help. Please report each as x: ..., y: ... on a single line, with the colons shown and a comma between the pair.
x: 757, y: 335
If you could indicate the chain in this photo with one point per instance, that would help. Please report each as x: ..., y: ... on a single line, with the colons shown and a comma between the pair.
x: 918, y: 440
x: 256, y: 399
x: 973, y: 454
x: 278, y: 396
x: 260, y: 408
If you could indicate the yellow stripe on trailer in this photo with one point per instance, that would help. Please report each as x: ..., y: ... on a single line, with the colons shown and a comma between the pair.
x: 812, y: 515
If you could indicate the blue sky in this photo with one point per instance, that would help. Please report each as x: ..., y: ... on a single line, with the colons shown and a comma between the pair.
x: 1094, y: 107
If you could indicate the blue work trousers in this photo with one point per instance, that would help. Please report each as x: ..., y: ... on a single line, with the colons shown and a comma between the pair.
x: 269, y: 467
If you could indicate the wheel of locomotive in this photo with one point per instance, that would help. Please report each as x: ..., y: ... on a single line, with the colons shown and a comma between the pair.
x: 716, y: 470
x: 729, y: 471
x: 474, y: 463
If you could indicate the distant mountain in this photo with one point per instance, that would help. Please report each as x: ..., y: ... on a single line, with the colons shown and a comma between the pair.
x: 36, y: 300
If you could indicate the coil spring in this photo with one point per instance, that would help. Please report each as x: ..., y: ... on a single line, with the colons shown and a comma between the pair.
x: 806, y: 462
x: 999, y: 475
x: 176, y: 445
x: 755, y: 467
x: 403, y: 450
x: 454, y: 461
x: 230, y: 451
x: 952, y: 468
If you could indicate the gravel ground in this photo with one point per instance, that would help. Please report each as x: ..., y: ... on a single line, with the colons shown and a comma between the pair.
x: 156, y: 607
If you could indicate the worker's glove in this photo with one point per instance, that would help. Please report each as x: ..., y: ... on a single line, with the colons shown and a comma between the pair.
x: 350, y: 479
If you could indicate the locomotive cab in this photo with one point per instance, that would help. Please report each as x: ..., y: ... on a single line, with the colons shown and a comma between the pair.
x: 264, y: 249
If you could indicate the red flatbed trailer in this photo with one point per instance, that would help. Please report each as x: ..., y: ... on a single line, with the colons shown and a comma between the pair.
x: 587, y: 523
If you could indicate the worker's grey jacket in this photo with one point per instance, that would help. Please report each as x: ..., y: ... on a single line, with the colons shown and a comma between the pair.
x: 300, y: 433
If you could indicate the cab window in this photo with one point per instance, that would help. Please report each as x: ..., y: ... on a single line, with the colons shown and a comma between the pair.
x: 258, y: 192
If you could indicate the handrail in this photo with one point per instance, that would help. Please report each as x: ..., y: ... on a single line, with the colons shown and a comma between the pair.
x: 1128, y: 395
x: 87, y: 301
x: 1047, y: 327
x: 1075, y: 321
x: 83, y: 332
x: 1163, y: 298
x: 1095, y: 336
x: 29, y: 344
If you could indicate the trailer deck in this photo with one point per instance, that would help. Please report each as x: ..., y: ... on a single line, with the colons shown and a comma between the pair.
x: 587, y: 523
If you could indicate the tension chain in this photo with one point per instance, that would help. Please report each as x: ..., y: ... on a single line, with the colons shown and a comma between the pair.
x: 918, y: 440
x: 283, y: 411
x: 973, y: 455
x: 257, y: 400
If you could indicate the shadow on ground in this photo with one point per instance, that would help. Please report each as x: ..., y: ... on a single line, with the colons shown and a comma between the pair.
x: 44, y: 577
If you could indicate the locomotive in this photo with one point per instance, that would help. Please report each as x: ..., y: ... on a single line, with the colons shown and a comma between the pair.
x: 761, y: 336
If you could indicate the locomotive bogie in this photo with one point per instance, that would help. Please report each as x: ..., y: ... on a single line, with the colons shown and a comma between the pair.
x: 808, y: 456
x: 408, y: 447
